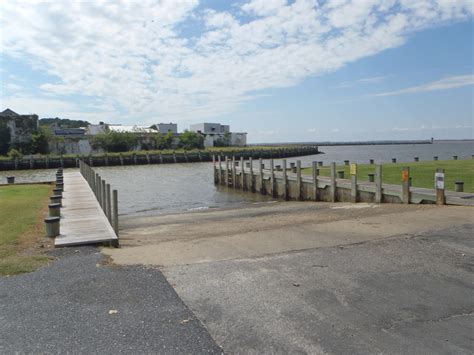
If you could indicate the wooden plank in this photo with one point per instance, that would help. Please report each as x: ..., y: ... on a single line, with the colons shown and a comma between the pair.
x: 83, y: 221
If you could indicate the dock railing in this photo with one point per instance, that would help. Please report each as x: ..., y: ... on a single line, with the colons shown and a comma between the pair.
x: 290, y: 184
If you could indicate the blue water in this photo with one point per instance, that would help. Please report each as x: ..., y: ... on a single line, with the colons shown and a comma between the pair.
x: 171, y: 188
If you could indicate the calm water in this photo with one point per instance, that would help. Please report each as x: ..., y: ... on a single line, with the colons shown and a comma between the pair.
x: 168, y: 188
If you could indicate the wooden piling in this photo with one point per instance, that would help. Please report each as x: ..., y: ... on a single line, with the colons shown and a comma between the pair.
x: 115, y: 211
x: 378, y: 183
x: 353, y: 183
x: 299, y: 181
x: 220, y: 169
x: 242, y: 175
x: 252, y: 179
x: 272, y: 178
x: 234, y: 184
x: 104, y: 197
x: 285, y: 181
x: 109, y: 203
x: 226, y: 177
x: 333, y: 182
x: 262, y: 182
x: 315, y: 181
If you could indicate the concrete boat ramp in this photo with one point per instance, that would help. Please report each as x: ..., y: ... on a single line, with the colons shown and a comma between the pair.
x: 82, y: 219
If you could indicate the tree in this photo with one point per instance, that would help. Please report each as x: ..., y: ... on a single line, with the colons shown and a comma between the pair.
x: 163, y: 141
x: 40, y: 141
x: 5, y: 137
x: 224, y: 141
x: 115, y: 141
x: 191, y: 140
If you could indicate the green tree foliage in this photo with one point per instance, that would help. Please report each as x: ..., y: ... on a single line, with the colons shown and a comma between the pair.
x: 115, y: 141
x: 63, y: 122
x: 5, y: 137
x: 163, y: 141
x: 14, y: 154
x: 224, y: 141
x: 191, y: 140
x: 40, y: 141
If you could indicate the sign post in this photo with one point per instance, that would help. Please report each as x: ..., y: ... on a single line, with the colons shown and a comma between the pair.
x: 406, y: 185
x: 439, y: 186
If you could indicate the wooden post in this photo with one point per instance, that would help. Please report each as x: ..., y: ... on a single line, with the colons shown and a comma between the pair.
x: 353, y: 183
x: 252, y: 184
x: 220, y: 169
x: 406, y: 185
x: 97, y: 186
x: 226, y: 177
x: 272, y: 177
x: 242, y: 177
x: 439, y: 185
x: 260, y: 169
x: 315, y: 181
x: 378, y: 183
x: 234, y: 185
x: 214, y: 169
x: 285, y: 181
x: 115, y: 211
x: 109, y: 205
x: 333, y: 182
x: 99, y: 192
x: 104, y: 197
x: 298, y: 180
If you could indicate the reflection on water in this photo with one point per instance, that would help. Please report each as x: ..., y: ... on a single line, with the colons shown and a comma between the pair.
x: 168, y: 188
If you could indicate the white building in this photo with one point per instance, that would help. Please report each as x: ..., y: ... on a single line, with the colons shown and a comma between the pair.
x: 167, y: 127
x: 215, y: 133
x: 131, y: 129
x: 102, y: 127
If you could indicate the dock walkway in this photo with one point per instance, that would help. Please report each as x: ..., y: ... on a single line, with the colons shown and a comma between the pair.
x: 82, y: 219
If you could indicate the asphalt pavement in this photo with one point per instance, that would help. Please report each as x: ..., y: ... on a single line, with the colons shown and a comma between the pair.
x: 408, y: 294
x: 78, y: 304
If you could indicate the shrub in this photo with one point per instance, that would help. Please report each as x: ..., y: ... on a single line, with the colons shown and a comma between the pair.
x: 191, y: 140
x: 40, y: 141
x: 115, y: 141
x: 13, y: 153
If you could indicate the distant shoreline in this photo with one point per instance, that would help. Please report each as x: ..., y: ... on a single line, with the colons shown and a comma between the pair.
x: 378, y: 142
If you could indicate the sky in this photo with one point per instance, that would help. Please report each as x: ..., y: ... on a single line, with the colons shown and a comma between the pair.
x: 281, y: 70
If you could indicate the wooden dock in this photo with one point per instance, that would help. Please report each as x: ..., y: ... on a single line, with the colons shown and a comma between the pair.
x: 82, y: 219
x: 297, y: 186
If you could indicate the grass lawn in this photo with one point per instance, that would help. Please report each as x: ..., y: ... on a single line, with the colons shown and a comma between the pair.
x: 422, y: 173
x: 22, y: 209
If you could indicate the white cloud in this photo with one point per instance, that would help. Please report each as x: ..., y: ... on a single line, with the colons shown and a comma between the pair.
x: 452, y: 82
x: 312, y: 130
x: 135, y: 55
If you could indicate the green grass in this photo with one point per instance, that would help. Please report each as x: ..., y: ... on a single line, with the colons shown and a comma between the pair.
x: 21, y: 209
x: 422, y: 173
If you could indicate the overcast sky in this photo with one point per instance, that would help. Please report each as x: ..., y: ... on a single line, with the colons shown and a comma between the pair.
x: 281, y: 70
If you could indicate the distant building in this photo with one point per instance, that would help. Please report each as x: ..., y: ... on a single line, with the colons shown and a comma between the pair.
x: 217, y: 134
x: 95, y: 129
x: 69, y: 132
x: 21, y: 126
x: 167, y: 127
x: 210, y: 128
x: 131, y: 129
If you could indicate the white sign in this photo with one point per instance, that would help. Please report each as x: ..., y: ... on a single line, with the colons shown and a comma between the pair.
x: 439, y: 181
